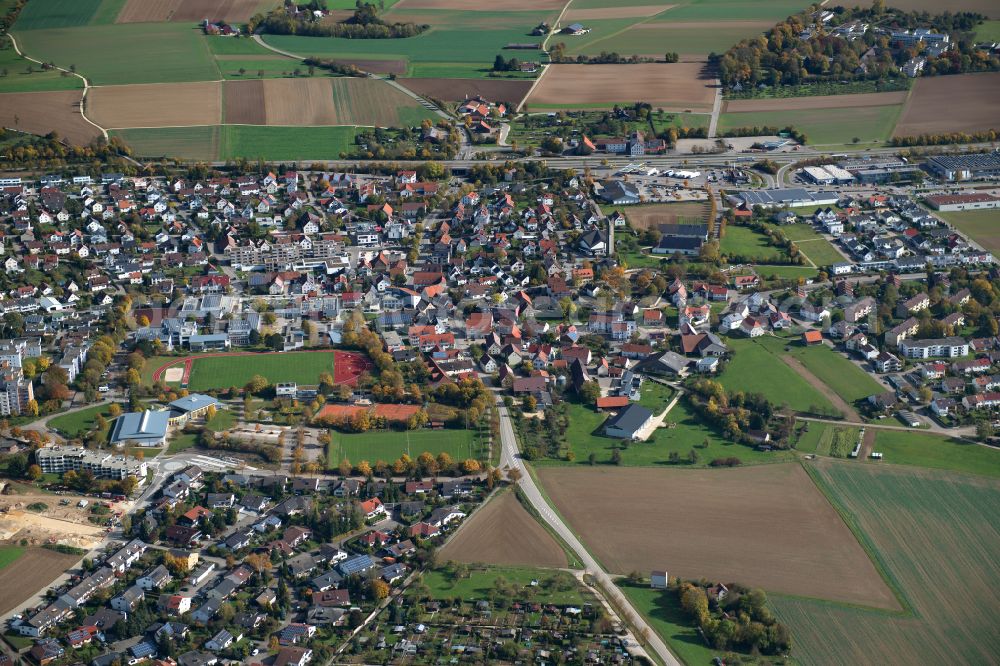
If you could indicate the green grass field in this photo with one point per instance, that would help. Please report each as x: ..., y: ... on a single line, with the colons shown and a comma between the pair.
x: 834, y: 127
x: 934, y: 536
x: 285, y: 143
x: 481, y: 581
x: 19, y: 80
x: 989, y: 31
x: 142, y: 53
x: 9, y: 555
x: 79, y: 423
x: 820, y: 251
x: 927, y: 450
x: 389, y: 445
x: 219, y: 372
x: 746, y: 242
x: 56, y: 14
x: 664, y: 614
x: 768, y: 272
x: 834, y: 369
x: 733, y: 10
x: 654, y: 38
x: 754, y: 369
x: 982, y: 225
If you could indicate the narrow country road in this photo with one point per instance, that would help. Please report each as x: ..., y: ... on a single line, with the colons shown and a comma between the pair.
x: 510, y: 459
x: 713, y: 124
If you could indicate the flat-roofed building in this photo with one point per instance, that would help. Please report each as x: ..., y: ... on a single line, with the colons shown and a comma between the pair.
x: 147, y: 428
x: 103, y: 465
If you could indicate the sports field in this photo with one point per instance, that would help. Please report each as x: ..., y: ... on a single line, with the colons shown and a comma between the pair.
x: 832, y: 126
x: 389, y: 445
x: 934, y: 535
x: 690, y: 522
x: 982, y: 225
x: 755, y: 369
x: 503, y: 532
x: 220, y: 372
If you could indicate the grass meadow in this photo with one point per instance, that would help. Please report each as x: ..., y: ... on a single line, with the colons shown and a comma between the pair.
x: 389, y: 445
x: 9, y: 555
x: 934, y: 536
x: 19, y: 80
x: 981, y: 225
x: 755, y: 369
x: 769, y: 272
x: 285, y: 143
x: 664, y: 613
x: 836, y: 127
x: 746, y: 242
x: 142, y: 53
x: 482, y: 578
x: 79, y: 423
x: 832, y: 368
x: 200, y: 143
x: 927, y: 450
x: 219, y: 372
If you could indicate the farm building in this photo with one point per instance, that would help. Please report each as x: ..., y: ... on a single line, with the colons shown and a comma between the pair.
x: 627, y: 423
x: 658, y: 580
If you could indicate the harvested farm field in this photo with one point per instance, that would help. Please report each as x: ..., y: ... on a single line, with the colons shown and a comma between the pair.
x: 650, y: 217
x: 503, y: 532
x: 959, y: 103
x: 188, y: 11
x: 766, y: 526
x: 31, y: 572
x: 674, y: 87
x: 299, y: 102
x: 596, y: 13
x: 156, y: 104
x: 935, y: 535
x: 817, y: 102
x: 244, y: 103
x: 511, y: 91
x: 473, y: 5
x: 984, y: 7
x: 44, y: 112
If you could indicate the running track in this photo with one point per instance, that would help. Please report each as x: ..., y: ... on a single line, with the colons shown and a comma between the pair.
x: 347, y: 366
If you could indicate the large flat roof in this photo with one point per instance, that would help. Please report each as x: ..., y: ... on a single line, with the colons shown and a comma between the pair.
x: 193, y: 402
x: 140, y: 426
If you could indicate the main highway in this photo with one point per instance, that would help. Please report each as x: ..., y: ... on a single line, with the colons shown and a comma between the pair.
x: 510, y: 459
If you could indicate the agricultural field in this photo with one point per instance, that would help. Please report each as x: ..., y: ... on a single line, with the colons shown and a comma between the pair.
x: 747, y: 243
x: 981, y: 225
x: 389, y: 445
x: 44, y: 112
x: 651, y: 216
x: 191, y: 11
x: 285, y: 143
x: 769, y: 509
x: 503, y: 532
x: 511, y: 91
x: 824, y: 126
x: 816, y: 103
x: 9, y: 555
x: 656, y: 36
x: 18, y: 78
x: 156, y: 105
x: 189, y: 143
x: 984, y: 7
x: 79, y: 423
x: 65, y: 13
x: 755, y: 369
x: 28, y: 574
x: 824, y: 439
x: 934, y: 535
x: 927, y: 450
x: 142, y: 53
x: 674, y: 87
x: 960, y: 103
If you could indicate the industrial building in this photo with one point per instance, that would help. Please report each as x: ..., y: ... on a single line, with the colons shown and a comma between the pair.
x: 972, y: 166
x: 778, y: 198
x: 977, y: 201
x: 827, y: 174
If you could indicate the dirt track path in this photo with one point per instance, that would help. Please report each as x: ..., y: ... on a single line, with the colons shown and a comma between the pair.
x: 849, y: 412
x: 867, y: 444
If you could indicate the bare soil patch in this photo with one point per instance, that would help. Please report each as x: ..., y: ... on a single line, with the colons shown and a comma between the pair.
x: 651, y: 217
x: 503, y: 532
x: 156, y: 104
x: 595, y: 13
x: 449, y: 90
x: 44, y: 112
x: 31, y: 572
x: 56, y: 524
x: 244, y: 103
x: 299, y: 102
x: 766, y: 526
x: 960, y: 103
x: 475, y: 5
x: 675, y: 87
x: 151, y: 11
x: 846, y: 409
x: 818, y: 102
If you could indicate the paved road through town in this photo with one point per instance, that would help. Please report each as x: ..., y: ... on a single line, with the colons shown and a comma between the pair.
x: 510, y: 459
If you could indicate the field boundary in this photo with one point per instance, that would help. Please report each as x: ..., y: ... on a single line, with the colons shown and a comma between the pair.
x: 866, y: 544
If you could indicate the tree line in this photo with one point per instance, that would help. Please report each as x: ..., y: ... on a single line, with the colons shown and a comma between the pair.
x: 364, y: 24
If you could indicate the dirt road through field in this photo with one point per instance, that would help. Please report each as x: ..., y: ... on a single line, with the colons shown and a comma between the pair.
x: 848, y: 411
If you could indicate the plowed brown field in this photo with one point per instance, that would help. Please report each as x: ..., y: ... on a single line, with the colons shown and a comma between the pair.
x: 156, y: 105
x: 675, y: 87
x: 510, y: 91
x: 30, y: 573
x: 503, y: 532
x: 817, y: 102
x: 299, y: 102
x: 960, y: 103
x: 149, y: 11
x: 766, y: 526
x: 44, y: 112
x: 244, y: 103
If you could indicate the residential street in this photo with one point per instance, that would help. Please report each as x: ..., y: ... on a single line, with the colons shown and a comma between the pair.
x: 510, y: 459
